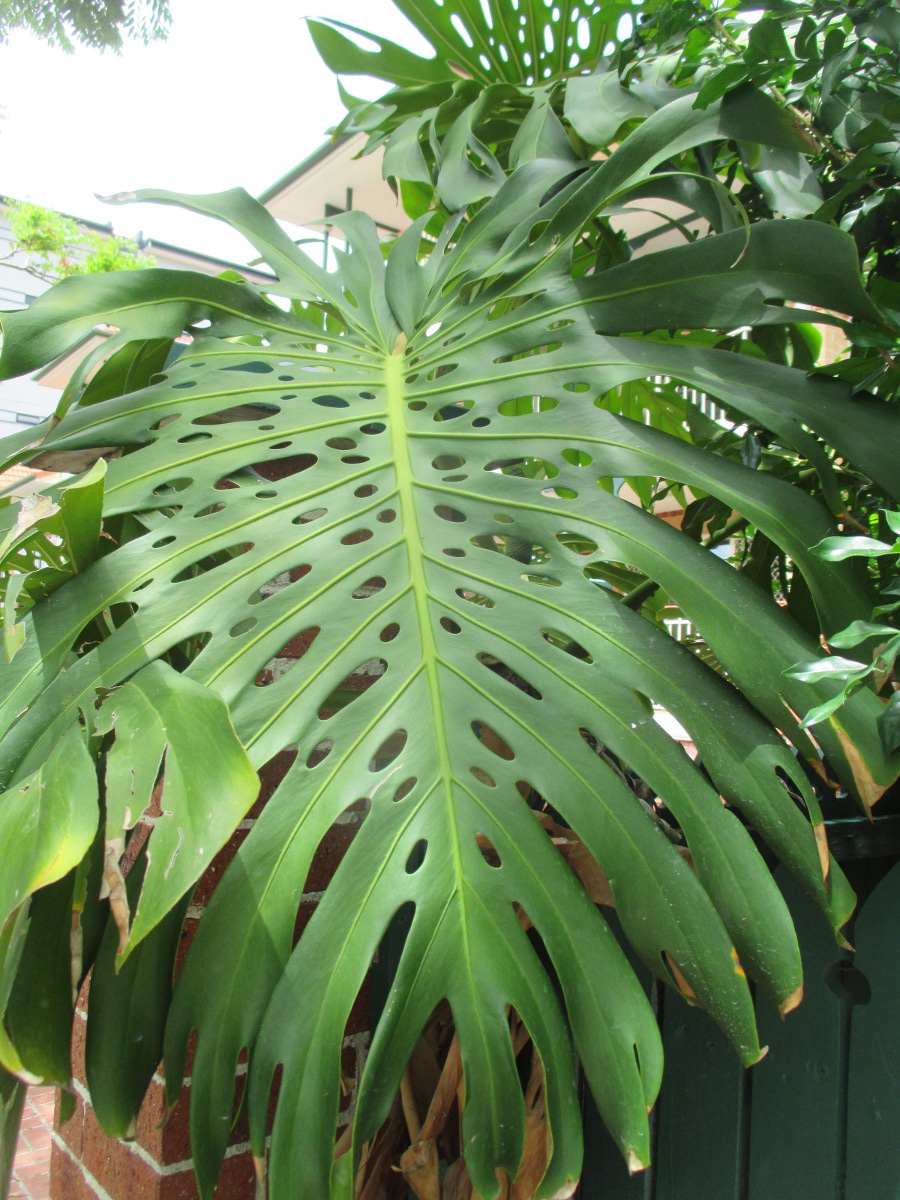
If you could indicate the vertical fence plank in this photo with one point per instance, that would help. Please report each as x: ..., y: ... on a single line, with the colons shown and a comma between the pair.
x: 701, y: 1109
x: 605, y: 1176
x: 797, y: 1111
x: 873, y: 1142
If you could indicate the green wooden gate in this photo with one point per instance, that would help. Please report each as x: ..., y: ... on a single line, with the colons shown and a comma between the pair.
x: 819, y: 1117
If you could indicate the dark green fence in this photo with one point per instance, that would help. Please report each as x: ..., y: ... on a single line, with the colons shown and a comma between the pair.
x: 819, y: 1117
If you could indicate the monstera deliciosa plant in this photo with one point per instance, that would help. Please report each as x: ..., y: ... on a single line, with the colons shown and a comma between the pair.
x: 413, y: 465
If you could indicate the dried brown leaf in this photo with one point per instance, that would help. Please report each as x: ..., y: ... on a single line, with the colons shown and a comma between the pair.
x: 113, y: 886
x: 582, y: 862
x: 445, y: 1093
x: 457, y: 1184
x: 868, y: 787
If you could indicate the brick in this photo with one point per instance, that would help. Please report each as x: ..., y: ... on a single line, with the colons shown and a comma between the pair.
x: 67, y: 1181
x: 300, y: 643
x: 213, y: 873
x: 72, y: 1133
x: 270, y: 776
x: 188, y: 929
x: 79, y: 1034
x: 304, y: 916
x: 115, y: 1165
x: 283, y: 468
x: 164, y: 1134
x: 32, y: 1158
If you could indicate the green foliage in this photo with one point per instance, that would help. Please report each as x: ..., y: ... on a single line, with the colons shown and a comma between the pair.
x: 99, y: 23
x: 57, y: 247
x: 883, y: 639
x: 373, y: 521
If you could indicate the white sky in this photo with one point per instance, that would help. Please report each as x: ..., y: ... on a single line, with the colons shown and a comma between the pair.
x: 237, y: 95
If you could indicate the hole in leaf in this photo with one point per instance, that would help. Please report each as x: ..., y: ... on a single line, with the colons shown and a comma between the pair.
x: 312, y: 514
x: 288, y: 656
x: 283, y: 468
x: 577, y: 542
x: 389, y: 632
x: 577, y: 457
x: 242, y: 627
x: 542, y: 580
x: 527, y: 468
x: 173, y: 486
x: 194, y: 437
x: 370, y: 587
x: 386, y: 516
x: 389, y: 750
x: 440, y: 370
x: 340, y: 443
x: 352, y: 687
x: 548, y: 348
x: 475, y: 598
x: 163, y: 541
x: 240, y: 412
x: 488, y: 850
x: 212, y: 562
x: 482, y: 777
x: 448, y: 462
x: 521, y: 549
x: 453, y: 552
x: 279, y: 582
x: 450, y: 625
x: 450, y: 412
x: 366, y: 489
x: 405, y: 788
x: 563, y: 642
x: 357, y: 536
x: 446, y: 513
x: 417, y: 406
x: 499, y: 667
x: 491, y: 740
x: 416, y: 856
x: 320, y: 752
x: 373, y: 427
x: 251, y: 368
x: 331, y: 402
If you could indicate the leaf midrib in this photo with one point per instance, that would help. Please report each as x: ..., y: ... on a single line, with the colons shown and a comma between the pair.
x: 394, y: 370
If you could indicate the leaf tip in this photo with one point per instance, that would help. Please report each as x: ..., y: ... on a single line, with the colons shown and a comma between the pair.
x: 634, y: 1163
x: 790, y: 1002
x: 117, y: 197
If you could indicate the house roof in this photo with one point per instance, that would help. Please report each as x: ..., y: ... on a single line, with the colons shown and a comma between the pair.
x: 331, y: 180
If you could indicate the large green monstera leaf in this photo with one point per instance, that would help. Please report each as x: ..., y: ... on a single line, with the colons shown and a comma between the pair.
x: 407, y: 472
